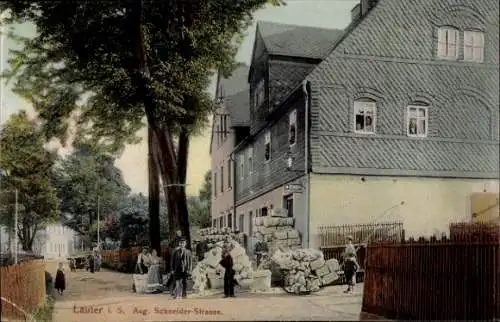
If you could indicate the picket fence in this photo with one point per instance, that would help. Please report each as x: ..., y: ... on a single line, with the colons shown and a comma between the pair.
x: 22, y: 289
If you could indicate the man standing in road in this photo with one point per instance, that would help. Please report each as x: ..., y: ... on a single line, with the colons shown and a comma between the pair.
x: 181, y: 265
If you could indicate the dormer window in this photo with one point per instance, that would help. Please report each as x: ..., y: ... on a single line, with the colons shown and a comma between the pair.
x: 447, y: 43
x: 365, y: 116
x: 259, y: 94
x: 473, y: 46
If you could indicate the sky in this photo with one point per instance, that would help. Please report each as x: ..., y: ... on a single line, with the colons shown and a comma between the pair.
x: 133, y: 162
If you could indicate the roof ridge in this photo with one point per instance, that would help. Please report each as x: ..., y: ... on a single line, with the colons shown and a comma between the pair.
x: 294, y: 25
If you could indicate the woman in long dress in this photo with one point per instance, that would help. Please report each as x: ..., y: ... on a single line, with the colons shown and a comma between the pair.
x: 154, y: 274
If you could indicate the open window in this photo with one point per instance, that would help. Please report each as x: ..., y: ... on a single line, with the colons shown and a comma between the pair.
x: 292, y: 128
x: 267, y: 146
x: 365, y: 117
x: 417, y: 121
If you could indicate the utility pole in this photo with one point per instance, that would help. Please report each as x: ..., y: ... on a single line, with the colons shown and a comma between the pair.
x: 98, y: 218
x: 15, y: 230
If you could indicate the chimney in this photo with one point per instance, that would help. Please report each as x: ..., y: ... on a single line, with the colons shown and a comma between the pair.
x: 356, y: 12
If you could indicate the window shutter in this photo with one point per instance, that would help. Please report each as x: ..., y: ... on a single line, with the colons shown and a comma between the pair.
x: 441, y: 42
x: 478, y: 46
x: 468, y: 45
x: 452, y: 42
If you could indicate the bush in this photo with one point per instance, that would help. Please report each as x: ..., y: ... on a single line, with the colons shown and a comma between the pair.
x: 44, y: 312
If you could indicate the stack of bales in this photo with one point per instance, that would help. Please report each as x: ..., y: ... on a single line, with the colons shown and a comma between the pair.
x: 277, y: 230
x: 209, y: 274
x: 305, y: 270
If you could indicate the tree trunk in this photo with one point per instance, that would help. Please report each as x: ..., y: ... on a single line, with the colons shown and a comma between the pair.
x: 164, y: 151
x: 154, y: 196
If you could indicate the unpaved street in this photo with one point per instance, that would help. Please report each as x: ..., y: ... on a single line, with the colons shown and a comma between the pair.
x: 107, y: 296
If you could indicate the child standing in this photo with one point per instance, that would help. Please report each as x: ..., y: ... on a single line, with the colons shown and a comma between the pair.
x: 60, y: 284
x: 351, y: 265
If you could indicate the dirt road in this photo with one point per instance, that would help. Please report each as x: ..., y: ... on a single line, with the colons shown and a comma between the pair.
x: 107, y: 296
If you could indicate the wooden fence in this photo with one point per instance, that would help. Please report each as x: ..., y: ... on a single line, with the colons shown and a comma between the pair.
x: 22, y: 288
x: 125, y: 260
x: 433, y: 279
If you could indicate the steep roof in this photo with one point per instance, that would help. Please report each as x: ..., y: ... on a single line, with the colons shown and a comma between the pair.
x: 236, y: 82
x: 298, y: 41
x: 238, y: 106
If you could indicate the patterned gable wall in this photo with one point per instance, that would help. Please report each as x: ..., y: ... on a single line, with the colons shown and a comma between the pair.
x: 390, y: 58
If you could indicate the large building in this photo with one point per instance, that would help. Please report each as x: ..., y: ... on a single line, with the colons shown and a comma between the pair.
x: 399, y: 108
x: 230, y: 125
x: 53, y: 242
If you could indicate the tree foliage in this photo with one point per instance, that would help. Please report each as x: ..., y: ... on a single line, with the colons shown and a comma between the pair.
x: 80, y: 179
x: 26, y: 167
x: 134, y: 61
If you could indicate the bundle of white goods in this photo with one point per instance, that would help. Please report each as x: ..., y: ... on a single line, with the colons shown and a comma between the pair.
x: 208, y: 272
x: 277, y: 230
x: 305, y: 270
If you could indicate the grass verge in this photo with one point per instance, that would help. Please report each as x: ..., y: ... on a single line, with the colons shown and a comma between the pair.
x: 44, y: 312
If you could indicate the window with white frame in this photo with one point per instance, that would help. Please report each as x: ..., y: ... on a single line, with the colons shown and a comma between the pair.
x: 417, y: 119
x: 267, y: 146
x: 242, y: 167
x: 473, y: 46
x: 259, y: 94
x: 250, y: 161
x: 365, y: 114
x: 447, y: 43
x: 292, y: 128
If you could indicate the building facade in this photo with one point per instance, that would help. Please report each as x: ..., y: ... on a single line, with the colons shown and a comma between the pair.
x: 401, y: 112
x: 229, y: 126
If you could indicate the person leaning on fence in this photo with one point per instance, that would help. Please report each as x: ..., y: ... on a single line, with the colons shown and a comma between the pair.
x: 351, y: 265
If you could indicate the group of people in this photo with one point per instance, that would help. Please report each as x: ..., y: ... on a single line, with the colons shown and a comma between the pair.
x: 179, y: 267
x: 94, y: 260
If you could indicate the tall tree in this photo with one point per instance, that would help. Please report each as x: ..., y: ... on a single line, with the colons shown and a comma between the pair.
x: 26, y: 167
x: 86, y: 179
x: 137, y: 60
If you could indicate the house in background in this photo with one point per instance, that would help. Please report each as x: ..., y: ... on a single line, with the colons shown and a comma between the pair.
x: 230, y: 125
x: 53, y: 242
x: 400, y: 109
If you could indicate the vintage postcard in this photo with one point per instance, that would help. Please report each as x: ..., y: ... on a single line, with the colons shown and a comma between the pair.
x: 249, y: 160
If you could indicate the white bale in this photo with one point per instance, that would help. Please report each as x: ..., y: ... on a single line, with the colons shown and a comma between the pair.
x: 317, y: 263
x: 329, y: 279
x: 213, y: 258
x: 280, y: 213
x: 258, y: 221
x: 280, y: 235
x: 333, y: 264
x: 216, y: 281
x: 261, y: 280
x: 293, y: 242
x: 238, y: 268
x: 237, y: 251
x: 323, y: 270
x: 140, y: 282
x: 292, y: 233
x: 245, y: 283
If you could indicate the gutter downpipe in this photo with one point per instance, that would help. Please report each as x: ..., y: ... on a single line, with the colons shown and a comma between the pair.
x: 305, y: 89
